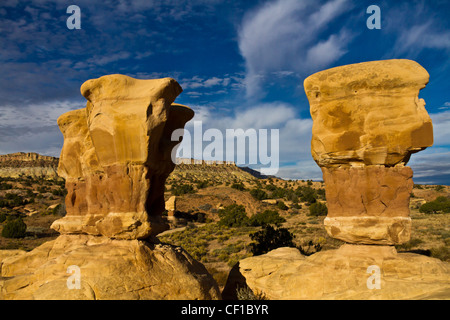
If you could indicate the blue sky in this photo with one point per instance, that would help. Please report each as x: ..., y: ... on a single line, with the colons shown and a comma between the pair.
x: 241, y: 63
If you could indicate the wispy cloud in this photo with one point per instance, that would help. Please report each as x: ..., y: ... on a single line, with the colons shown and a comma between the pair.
x: 33, y: 128
x: 416, y: 28
x: 294, y: 132
x: 285, y: 35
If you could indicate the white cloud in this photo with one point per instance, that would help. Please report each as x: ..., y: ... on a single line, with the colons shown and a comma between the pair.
x: 446, y: 106
x: 282, y: 35
x: 416, y: 28
x: 431, y: 166
x: 326, y: 52
x: 198, y: 82
x: 33, y: 128
x: 294, y: 134
x: 421, y: 36
x: 441, y: 128
x: 106, y: 59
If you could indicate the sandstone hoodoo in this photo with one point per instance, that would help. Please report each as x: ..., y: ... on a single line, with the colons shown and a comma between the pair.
x: 117, y: 155
x: 367, y: 121
x: 115, y: 160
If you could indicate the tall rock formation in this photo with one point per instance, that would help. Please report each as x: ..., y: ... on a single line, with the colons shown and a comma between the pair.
x: 117, y: 156
x: 367, y: 121
x: 115, y: 160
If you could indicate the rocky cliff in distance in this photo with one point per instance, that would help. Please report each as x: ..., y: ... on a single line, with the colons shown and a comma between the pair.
x: 32, y: 164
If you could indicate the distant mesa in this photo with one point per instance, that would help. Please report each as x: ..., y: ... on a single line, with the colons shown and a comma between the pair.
x: 27, y: 157
x: 204, y: 162
x: 24, y: 164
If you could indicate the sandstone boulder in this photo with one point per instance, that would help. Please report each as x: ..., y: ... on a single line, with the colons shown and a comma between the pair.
x: 368, y: 113
x: 343, y: 274
x: 108, y: 270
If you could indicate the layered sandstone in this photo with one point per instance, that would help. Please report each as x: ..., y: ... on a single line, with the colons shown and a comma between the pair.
x: 30, y: 164
x: 342, y: 274
x: 368, y: 113
x: 367, y: 121
x: 117, y: 156
x: 108, y: 270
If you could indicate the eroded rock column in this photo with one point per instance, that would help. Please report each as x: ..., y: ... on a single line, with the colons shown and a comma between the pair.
x: 115, y: 159
x: 367, y: 121
x: 117, y: 155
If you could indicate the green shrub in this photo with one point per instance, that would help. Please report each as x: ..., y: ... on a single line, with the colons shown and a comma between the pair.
x: 202, y: 184
x: 59, y: 210
x: 318, y: 209
x: 307, y: 194
x: 258, y: 194
x: 233, y: 216
x: 269, y: 239
x: 440, y: 204
x: 442, y: 253
x: 296, y: 206
x: 238, y: 185
x: 281, y: 205
x: 2, y: 217
x: 178, y: 190
x: 12, y: 200
x: 309, y: 247
x: 246, y: 293
x: 5, y: 186
x: 59, y: 192
x: 14, y: 229
x: 43, y: 189
x: 266, y: 217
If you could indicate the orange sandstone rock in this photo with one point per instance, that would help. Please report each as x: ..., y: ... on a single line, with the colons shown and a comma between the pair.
x: 368, y: 113
x: 117, y: 156
x: 367, y: 121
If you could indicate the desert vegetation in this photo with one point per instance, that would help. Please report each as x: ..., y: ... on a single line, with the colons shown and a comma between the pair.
x: 28, y: 206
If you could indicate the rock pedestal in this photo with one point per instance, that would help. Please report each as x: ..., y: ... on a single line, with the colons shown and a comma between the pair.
x: 367, y: 121
x: 115, y: 160
x: 117, y: 155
